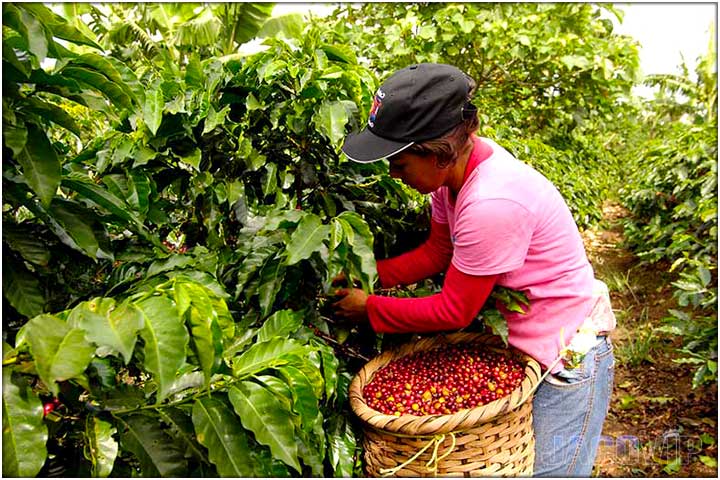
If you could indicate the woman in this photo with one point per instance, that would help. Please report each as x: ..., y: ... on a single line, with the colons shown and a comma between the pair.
x: 495, y: 221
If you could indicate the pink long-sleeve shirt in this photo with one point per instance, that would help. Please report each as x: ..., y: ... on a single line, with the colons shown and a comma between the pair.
x: 509, y: 225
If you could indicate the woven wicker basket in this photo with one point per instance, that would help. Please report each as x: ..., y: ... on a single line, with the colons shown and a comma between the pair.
x: 495, y: 439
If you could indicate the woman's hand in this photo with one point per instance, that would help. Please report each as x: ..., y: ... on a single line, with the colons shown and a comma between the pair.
x: 339, y: 279
x: 353, y: 305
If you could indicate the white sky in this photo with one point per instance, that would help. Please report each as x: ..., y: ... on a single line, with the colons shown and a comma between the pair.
x: 664, y: 30
x: 667, y: 30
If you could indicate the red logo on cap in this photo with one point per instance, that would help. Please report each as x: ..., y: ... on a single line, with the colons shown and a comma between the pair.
x: 377, y: 103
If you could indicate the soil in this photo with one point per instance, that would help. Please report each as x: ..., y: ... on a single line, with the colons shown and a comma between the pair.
x: 655, y: 416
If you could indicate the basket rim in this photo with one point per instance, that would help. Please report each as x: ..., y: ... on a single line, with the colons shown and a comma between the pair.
x: 429, y: 425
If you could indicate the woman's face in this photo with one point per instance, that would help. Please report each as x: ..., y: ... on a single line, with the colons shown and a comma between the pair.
x: 418, y: 172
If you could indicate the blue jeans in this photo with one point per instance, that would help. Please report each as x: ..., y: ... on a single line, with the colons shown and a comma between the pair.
x: 569, y: 409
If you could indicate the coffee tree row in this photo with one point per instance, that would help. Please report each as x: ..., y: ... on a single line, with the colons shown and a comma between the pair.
x: 189, y: 205
x: 672, y: 194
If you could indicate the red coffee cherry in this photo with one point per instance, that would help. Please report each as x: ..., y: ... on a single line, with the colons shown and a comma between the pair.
x: 443, y: 381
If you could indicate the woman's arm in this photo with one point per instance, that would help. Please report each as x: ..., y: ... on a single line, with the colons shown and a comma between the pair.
x: 428, y: 259
x: 455, y: 307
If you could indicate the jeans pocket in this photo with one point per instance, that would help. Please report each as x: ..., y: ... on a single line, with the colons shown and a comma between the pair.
x: 575, y: 377
x: 583, y: 373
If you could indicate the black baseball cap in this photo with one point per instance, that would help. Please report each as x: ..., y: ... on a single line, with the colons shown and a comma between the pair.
x: 418, y: 103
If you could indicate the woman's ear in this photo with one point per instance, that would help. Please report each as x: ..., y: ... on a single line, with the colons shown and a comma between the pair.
x: 440, y: 162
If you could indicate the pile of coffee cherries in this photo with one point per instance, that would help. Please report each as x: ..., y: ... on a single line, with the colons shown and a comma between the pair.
x: 442, y: 381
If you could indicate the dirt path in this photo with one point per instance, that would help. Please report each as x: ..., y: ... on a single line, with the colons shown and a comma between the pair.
x: 655, y: 416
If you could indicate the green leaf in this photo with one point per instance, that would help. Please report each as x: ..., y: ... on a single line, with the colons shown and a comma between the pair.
x: 330, y: 364
x: 307, y: 238
x: 108, y: 201
x: 101, y: 83
x: 311, y: 446
x: 235, y: 191
x: 331, y: 119
x: 82, y: 226
x: 283, y: 217
x: 60, y: 352
x: 24, y: 433
x: 279, y: 324
x: 59, y: 26
x: 247, y: 20
x: 142, y: 155
x: 340, y: 53
x: 188, y: 380
x: 705, y: 276
x: 173, y: 262
x: 114, y: 328
x: 153, y: 109
x: 575, y: 61
x: 709, y: 461
x: 270, y: 282
x: 140, y: 190
x: 193, y: 158
x: 304, y: 384
x: 358, y: 236
x: 103, y: 371
x: 181, y: 429
x: 264, y: 415
x: 289, y: 26
x: 22, y: 289
x: 707, y: 439
x: 264, y: 355
x: 165, y: 340
x: 699, y: 376
x: 269, y: 182
x: 30, y: 29
x: 158, y: 455
x: 53, y: 113
x: 281, y: 391
x: 101, y: 447
x: 206, y: 340
x: 218, y: 430
x: 209, y: 307
x: 15, y: 137
x: 341, y: 446
x: 31, y: 247
x: 130, y: 79
x: 224, y: 318
x: 40, y: 164
x: 254, y: 261
x: 214, y: 118
x: 8, y: 54
x: 194, y: 75
x: 104, y: 66
x: 497, y: 323
x: 673, y: 466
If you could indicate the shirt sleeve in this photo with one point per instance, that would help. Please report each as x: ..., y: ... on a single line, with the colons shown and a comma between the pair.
x: 428, y: 259
x: 455, y: 307
x: 492, y: 236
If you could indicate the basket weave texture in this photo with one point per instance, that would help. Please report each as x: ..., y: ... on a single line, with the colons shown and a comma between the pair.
x: 495, y: 439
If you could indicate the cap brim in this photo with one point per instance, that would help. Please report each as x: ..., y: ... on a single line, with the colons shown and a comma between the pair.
x: 366, y: 147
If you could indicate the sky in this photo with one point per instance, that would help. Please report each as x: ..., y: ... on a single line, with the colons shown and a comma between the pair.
x: 665, y: 30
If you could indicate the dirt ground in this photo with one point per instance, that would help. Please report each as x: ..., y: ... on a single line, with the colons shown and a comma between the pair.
x: 655, y: 416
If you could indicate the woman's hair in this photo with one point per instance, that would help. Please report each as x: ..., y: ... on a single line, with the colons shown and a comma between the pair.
x: 448, y: 147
